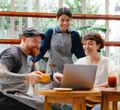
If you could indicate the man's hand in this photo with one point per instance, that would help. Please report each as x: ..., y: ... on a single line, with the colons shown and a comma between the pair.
x: 34, y: 77
x: 38, y: 77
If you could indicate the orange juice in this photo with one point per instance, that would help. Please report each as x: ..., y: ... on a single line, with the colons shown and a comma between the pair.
x: 45, y: 78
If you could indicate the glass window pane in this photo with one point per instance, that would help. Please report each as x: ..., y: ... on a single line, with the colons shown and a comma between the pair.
x: 90, y: 25
x: 5, y: 5
x: 74, y: 5
x: 5, y: 27
x: 95, y: 6
x: 114, y: 54
x: 114, y: 30
x: 5, y: 32
x: 114, y: 7
x: 32, y: 5
x: 49, y: 5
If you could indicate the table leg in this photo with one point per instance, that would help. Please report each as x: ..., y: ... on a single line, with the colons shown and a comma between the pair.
x: 79, y: 104
x: 105, y: 105
x: 82, y: 103
x: 47, y: 105
x: 115, y: 106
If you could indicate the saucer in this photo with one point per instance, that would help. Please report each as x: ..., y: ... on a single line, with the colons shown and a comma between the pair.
x: 63, y: 89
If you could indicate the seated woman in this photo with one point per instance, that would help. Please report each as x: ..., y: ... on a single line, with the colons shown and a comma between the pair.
x: 92, y: 44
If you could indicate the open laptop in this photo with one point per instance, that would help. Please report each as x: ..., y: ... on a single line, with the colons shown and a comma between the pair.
x: 79, y: 77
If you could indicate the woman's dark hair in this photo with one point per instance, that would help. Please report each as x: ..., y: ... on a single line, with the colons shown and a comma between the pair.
x: 96, y: 37
x: 65, y: 11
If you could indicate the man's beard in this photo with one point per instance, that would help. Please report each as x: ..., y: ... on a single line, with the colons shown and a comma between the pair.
x: 34, y: 52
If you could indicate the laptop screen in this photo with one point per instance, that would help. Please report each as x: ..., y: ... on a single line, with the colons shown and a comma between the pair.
x: 79, y: 77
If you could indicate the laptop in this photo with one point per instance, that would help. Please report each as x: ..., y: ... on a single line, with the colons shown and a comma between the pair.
x: 79, y: 77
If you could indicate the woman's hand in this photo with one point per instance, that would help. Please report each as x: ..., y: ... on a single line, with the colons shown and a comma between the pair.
x: 58, y: 77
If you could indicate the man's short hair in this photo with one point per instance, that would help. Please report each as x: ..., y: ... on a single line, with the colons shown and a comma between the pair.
x: 30, y: 32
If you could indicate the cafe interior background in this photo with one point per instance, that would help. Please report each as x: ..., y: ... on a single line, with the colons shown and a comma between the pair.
x: 88, y: 15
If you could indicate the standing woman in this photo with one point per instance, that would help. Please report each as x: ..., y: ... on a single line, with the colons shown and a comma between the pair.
x: 62, y: 42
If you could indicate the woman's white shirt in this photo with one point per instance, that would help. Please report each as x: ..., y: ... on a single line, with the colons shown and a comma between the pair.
x: 102, y: 69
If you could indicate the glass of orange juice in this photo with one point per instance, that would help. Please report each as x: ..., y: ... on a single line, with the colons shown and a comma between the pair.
x: 45, y: 78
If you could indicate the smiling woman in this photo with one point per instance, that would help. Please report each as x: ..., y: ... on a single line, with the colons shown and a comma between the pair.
x: 92, y: 44
x: 63, y: 41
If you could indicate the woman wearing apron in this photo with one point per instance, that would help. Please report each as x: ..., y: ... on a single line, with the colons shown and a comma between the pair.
x: 62, y: 42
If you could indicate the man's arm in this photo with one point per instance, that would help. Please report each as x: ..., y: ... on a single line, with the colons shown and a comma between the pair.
x: 8, y: 77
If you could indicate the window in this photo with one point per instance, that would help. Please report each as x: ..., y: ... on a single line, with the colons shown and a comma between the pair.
x: 11, y: 27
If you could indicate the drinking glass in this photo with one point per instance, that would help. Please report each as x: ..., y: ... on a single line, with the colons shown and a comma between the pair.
x: 114, y: 76
x: 112, y: 80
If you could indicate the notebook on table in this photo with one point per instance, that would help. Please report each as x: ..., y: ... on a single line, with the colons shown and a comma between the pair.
x: 79, y: 77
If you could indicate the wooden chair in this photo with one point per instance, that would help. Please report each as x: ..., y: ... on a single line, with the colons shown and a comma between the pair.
x: 110, y: 96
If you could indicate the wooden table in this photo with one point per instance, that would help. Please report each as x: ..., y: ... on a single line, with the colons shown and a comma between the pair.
x: 77, y: 98
x: 110, y: 96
